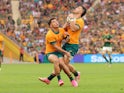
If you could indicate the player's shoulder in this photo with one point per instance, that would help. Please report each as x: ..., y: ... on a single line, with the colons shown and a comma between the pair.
x: 80, y: 19
x: 61, y: 29
x: 49, y: 33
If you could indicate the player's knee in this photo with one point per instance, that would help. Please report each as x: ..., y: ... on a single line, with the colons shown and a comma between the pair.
x: 56, y: 62
x: 67, y: 61
x: 57, y: 70
x: 103, y: 53
x: 109, y: 52
x: 62, y: 63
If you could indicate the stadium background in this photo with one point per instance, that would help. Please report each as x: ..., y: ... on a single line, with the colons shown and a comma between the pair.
x: 27, y: 26
x: 24, y: 23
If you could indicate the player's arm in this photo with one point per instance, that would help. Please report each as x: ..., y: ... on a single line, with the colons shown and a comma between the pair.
x: 65, y: 26
x: 112, y: 40
x: 72, y: 22
x: 60, y: 49
x: 74, y: 26
x: 66, y: 36
x: 107, y: 40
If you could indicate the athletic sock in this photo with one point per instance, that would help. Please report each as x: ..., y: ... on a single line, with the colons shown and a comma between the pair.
x: 70, y: 77
x: 59, y: 77
x: 110, y: 60
x: 51, y: 76
x: 75, y: 73
x: 105, y: 59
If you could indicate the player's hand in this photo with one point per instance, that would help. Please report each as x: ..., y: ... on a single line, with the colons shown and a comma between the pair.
x: 68, y: 54
x: 66, y: 33
x: 71, y: 16
x: 65, y: 26
x: 112, y: 41
x: 66, y: 36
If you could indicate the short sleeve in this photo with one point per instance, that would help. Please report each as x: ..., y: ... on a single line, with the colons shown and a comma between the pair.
x: 50, y: 39
x: 1, y: 38
x: 80, y: 23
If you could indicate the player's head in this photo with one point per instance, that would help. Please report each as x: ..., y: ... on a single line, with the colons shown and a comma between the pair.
x: 106, y: 30
x: 80, y: 10
x: 53, y: 23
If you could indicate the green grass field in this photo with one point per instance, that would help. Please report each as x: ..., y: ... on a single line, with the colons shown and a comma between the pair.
x: 95, y: 78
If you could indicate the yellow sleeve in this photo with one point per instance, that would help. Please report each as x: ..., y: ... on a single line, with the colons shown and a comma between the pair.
x: 1, y: 38
x: 80, y: 23
x: 63, y: 32
x: 50, y: 38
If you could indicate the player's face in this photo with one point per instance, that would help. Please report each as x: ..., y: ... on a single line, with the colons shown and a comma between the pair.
x: 78, y: 10
x: 106, y: 31
x: 54, y: 23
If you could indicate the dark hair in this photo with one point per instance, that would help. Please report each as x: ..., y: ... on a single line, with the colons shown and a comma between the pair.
x: 84, y: 11
x: 49, y: 22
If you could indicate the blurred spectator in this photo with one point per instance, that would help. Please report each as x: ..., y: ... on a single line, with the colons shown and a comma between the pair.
x: 32, y: 26
x: 21, y: 56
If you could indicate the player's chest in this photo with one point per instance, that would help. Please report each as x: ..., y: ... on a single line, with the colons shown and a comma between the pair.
x: 58, y: 37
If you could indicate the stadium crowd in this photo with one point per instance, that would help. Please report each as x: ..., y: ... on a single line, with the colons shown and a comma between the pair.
x: 31, y: 28
x: 104, y: 16
x: 5, y: 14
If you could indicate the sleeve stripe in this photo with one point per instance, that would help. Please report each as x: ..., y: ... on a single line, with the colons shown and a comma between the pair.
x: 78, y: 26
x: 52, y: 43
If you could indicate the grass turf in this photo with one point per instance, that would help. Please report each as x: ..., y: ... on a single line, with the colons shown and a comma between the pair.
x: 95, y: 78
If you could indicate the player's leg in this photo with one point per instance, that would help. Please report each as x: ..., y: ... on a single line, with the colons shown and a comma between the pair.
x: 23, y: 57
x: 103, y: 54
x: 55, y: 60
x: 72, y: 48
x: 60, y: 81
x: 68, y: 73
x: 65, y: 69
x: 20, y: 57
x: 110, y: 59
x: 72, y: 69
x: 109, y: 54
x: 52, y: 75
